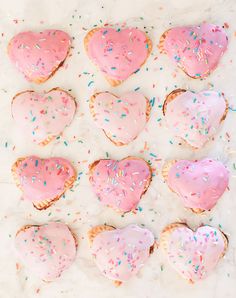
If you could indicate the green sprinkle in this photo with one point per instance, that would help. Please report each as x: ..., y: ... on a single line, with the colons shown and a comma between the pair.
x: 90, y: 83
x: 44, y: 183
x: 153, y: 155
x: 66, y: 144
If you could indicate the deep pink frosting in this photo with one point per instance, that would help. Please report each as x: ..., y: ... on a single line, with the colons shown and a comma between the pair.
x: 121, y: 253
x: 41, y: 115
x: 198, y: 183
x: 37, y: 55
x: 196, y: 49
x: 43, y: 179
x: 122, y: 118
x: 46, y: 250
x: 196, y: 117
x: 194, y: 254
x: 118, y: 53
x: 120, y: 184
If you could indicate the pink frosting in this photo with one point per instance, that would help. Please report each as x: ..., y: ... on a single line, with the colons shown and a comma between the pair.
x: 37, y: 55
x: 196, y: 49
x: 120, y: 184
x: 46, y: 250
x: 121, y: 253
x: 198, y: 183
x: 118, y: 53
x: 122, y: 118
x: 196, y: 117
x: 41, y: 115
x: 43, y: 179
x: 194, y: 255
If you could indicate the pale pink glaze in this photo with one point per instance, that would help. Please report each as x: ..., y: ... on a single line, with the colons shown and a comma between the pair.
x: 37, y: 55
x: 122, y: 118
x: 121, y: 253
x: 46, y: 250
x: 194, y: 254
x: 120, y: 184
x: 118, y: 53
x: 196, y: 49
x: 196, y: 117
x: 198, y: 183
x: 43, y: 179
x: 41, y: 115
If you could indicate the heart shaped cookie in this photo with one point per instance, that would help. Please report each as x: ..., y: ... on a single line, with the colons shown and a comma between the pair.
x: 195, y: 117
x: 199, y: 184
x: 117, y: 53
x: 39, y: 55
x: 47, y: 250
x: 43, y: 116
x: 193, y: 254
x: 120, y: 184
x: 121, y: 118
x: 195, y: 49
x: 43, y: 181
x: 120, y: 253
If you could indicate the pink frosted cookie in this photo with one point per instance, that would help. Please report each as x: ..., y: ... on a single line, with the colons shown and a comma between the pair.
x: 195, y: 117
x: 43, y: 116
x: 43, y: 181
x: 121, y: 118
x: 39, y: 55
x: 199, y: 184
x: 195, y: 49
x: 120, y: 184
x: 193, y: 254
x: 120, y: 253
x: 47, y: 250
x: 117, y: 53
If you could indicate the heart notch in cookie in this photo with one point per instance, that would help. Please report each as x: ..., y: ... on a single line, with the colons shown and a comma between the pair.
x: 193, y: 254
x: 120, y: 184
x: 47, y: 250
x: 39, y: 55
x: 120, y: 253
x: 195, y: 117
x: 199, y: 183
x: 43, y: 181
x: 43, y: 116
x: 117, y: 53
x: 195, y: 49
x: 121, y: 118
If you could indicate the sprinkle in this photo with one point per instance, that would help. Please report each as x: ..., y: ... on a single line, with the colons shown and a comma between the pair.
x: 44, y: 183
x: 152, y: 101
x: 140, y: 209
x: 153, y: 155
x: 136, y: 89
x: 113, y: 67
x: 36, y: 162
x: 90, y: 83
x: 66, y: 144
